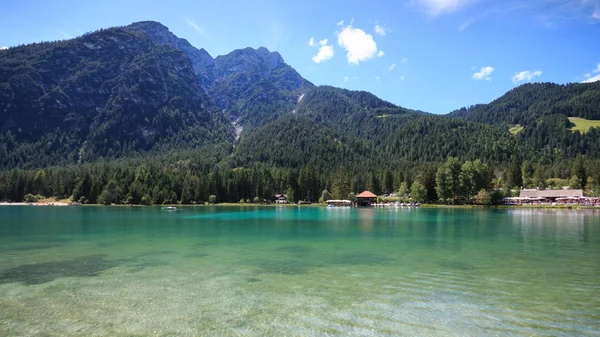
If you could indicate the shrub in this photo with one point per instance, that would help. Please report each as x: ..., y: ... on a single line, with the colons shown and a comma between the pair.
x: 32, y: 198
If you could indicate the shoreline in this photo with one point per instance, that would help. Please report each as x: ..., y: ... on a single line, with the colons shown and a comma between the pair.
x: 56, y: 203
x: 62, y: 204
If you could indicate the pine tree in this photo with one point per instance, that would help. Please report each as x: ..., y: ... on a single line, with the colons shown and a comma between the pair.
x: 403, y: 190
x: 340, y: 186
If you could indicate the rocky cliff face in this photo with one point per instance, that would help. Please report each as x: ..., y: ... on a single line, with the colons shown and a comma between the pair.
x: 252, y: 85
x: 160, y: 34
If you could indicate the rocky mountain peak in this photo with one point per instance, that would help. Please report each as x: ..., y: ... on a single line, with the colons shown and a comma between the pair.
x: 260, y: 58
x: 160, y: 34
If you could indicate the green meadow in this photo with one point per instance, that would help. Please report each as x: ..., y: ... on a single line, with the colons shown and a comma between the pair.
x: 583, y: 125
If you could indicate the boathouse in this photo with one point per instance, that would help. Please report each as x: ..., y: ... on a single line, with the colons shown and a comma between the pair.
x: 551, y: 195
x: 281, y: 199
x: 366, y: 198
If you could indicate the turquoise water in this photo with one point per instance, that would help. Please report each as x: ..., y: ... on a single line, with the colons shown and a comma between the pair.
x: 290, y: 271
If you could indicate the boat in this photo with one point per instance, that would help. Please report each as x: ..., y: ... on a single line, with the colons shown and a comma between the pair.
x: 338, y: 203
x: 169, y: 208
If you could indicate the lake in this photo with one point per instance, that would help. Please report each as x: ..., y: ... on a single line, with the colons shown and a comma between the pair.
x: 298, y: 271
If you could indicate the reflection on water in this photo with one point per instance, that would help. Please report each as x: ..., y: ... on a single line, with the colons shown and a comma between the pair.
x: 299, y: 271
x: 579, y: 225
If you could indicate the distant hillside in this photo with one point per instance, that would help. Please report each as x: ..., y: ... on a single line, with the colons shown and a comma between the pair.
x: 540, y: 112
x: 295, y: 141
x: 337, y: 128
x: 348, y: 110
x: 527, y: 103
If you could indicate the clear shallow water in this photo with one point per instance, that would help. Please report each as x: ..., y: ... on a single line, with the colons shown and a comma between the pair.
x: 71, y: 271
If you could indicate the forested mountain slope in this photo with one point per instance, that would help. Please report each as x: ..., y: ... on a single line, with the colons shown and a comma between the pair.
x: 140, y: 90
x: 337, y: 128
x: 137, y: 115
x: 525, y: 104
x: 106, y: 94
x: 541, y: 111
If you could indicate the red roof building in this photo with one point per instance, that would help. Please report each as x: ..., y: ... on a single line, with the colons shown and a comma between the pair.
x: 366, y: 194
x: 366, y: 198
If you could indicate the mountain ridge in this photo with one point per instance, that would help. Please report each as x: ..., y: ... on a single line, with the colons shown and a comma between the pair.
x: 136, y: 89
x: 232, y: 79
x: 63, y: 99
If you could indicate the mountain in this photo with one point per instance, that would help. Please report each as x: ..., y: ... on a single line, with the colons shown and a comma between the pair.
x: 139, y: 90
x: 294, y: 141
x: 527, y: 103
x: 111, y: 93
x: 135, y: 114
x: 160, y: 34
x: 539, y: 114
x: 357, y: 131
x: 252, y: 86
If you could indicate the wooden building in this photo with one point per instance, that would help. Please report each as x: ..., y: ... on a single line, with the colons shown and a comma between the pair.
x: 366, y: 198
x: 281, y: 199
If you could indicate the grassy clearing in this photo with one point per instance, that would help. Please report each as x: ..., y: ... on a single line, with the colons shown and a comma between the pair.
x: 515, y: 129
x: 51, y: 200
x: 583, y: 125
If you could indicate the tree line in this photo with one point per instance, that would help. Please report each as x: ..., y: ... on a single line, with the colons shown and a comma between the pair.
x: 186, y: 181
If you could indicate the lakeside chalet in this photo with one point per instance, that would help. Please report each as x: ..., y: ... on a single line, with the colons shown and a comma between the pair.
x: 366, y: 198
x: 281, y: 199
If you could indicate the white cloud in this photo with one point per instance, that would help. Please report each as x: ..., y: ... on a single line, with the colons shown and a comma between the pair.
x: 404, y: 60
x: 483, y: 74
x: 197, y: 28
x: 325, y: 53
x: 341, y: 23
x: 526, y: 75
x: 3, y: 48
x: 380, y: 30
x: 591, y: 78
x: 390, y: 68
x: 439, y: 7
x: 381, y: 53
x: 346, y: 78
x: 359, y: 45
x: 402, y: 78
x: 596, y: 15
x: 377, y: 78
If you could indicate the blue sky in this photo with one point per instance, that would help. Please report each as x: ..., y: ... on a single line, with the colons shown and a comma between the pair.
x: 432, y: 55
